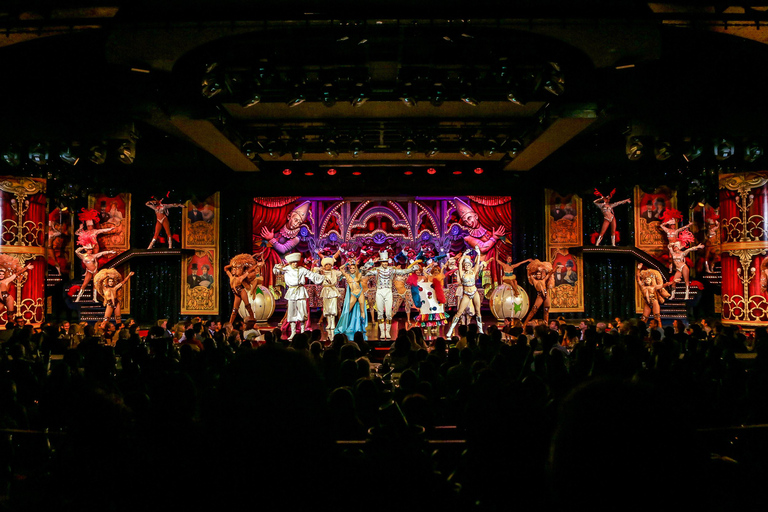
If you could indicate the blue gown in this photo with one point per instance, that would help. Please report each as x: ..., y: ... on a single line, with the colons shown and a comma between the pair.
x: 351, y: 322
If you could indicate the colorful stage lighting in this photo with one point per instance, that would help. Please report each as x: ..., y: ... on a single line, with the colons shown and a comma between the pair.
x: 456, y: 172
x: 287, y: 172
x: 309, y: 174
x: 431, y: 170
x: 331, y: 172
x: 479, y: 170
x: 356, y: 173
x: 408, y: 173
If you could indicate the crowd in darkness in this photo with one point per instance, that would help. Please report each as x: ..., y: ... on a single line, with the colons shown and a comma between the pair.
x: 204, y: 416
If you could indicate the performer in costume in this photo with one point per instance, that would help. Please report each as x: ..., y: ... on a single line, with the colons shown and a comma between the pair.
x: 669, y: 220
x: 509, y: 273
x: 161, y: 219
x: 468, y: 275
x: 402, y: 295
x: 353, y: 313
x: 295, y: 292
x: 384, y: 274
x: 330, y: 292
x: 712, y: 242
x: 10, y: 270
x: 677, y: 254
x: 432, y: 311
x: 242, y: 272
x: 88, y: 243
x: 652, y: 287
x: 107, y: 283
x: 87, y: 227
x: 53, y: 233
x: 609, y: 219
x: 542, y: 278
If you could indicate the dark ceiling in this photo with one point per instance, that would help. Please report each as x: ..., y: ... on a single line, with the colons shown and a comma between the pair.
x: 237, y: 90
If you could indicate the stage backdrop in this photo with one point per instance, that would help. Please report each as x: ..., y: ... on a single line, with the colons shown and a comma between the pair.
x: 200, y: 272
x: 115, y: 213
x: 434, y: 226
x: 23, y: 237
x: 563, y: 216
x: 649, y: 207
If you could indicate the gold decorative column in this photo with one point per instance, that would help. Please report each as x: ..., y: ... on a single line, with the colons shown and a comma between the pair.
x: 744, y: 237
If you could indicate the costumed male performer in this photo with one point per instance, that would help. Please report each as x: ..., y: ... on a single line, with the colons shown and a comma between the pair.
x: 295, y: 293
x: 384, y: 274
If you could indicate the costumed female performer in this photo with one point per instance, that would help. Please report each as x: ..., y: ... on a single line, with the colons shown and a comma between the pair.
x: 88, y: 242
x: 108, y: 283
x: 609, y: 219
x: 384, y: 274
x: 330, y: 292
x: 87, y: 218
x: 712, y: 242
x: 669, y: 220
x: 652, y: 286
x: 468, y: 275
x: 161, y: 215
x: 509, y: 273
x: 295, y: 293
x: 243, y: 273
x: 10, y: 270
x: 402, y: 295
x: 353, y: 313
x: 542, y: 278
x: 53, y: 233
x: 677, y: 254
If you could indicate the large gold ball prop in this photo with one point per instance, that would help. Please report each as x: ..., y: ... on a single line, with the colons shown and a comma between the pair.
x: 505, y: 304
x: 262, y: 303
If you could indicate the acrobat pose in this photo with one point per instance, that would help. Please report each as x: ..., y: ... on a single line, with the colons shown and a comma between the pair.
x: 384, y: 274
x: 108, y: 283
x: 10, y: 270
x: 468, y: 276
x: 509, y: 274
x: 330, y: 292
x: 609, y: 219
x: 652, y: 286
x: 161, y: 215
x: 677, y: 254
x: 542, y: 278
x: 90, y: 261
x: 296, y: 294
x: 242, y: 272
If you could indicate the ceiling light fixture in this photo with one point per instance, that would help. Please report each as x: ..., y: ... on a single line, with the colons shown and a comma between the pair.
x: 98, y: 154
x: 635, y: 149
x: 67, y: 155
x: 12, y: 155
x: 126, y: 152
x: 724, y: 149
x: 38, y: 153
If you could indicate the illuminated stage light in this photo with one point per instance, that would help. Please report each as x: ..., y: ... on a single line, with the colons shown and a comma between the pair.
x: 408, y: 173
x: 356, y: 173
x: 479, y: 170
x: 456, y: 172
x: 287, y: 172
x: 431, y: 170
x: 309, y: 174
x: 331, y: 172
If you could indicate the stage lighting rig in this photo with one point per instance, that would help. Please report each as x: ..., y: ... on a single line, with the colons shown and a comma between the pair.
x: 635, y: 149
x: 12, y: 155
x: 98, y: 154
x: 752, y: 152
x: 38, y: 153
x: 68, y: 155
x: 724, y: 149
x: 662, y: 150
x: 126, y: 152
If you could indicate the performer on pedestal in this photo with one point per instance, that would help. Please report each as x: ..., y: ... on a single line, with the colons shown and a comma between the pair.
x: 677, y: 254
x: 161, y: 219
x: 542, y: 278
x: 384, y: 274
x: 509, y: 273
x: 295, y: 292
x: 353, y: 313
x: 468, y: 276
x: 88, y: 243
x: 10, y: 270
x: 609, y: 219
x: 108, y: 283
x: 330, y: 292
x: 652, y: 286
x: 242, y: 272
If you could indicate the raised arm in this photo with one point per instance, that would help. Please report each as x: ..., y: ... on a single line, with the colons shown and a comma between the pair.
x: 121, y: 283
x: 513, y: 267
x: 103, y: 253
x: 613, y: 205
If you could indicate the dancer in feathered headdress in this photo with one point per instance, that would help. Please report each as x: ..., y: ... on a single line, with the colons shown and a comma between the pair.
x: 10, y: 270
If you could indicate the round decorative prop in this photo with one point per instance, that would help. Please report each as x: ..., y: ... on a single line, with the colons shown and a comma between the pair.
x: 505, y: 304
x: 262, y: 303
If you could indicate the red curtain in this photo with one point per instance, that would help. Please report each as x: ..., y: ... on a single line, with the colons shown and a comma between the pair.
x: 492, y: 213
x: 270, y: 213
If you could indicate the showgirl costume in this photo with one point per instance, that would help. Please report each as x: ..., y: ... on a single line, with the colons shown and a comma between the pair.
x: 356, y: 320
x: 609, y: 219
x: 161, y: 219
x: 652, y: 288
x: 542, y: 278
x: 677, y: 255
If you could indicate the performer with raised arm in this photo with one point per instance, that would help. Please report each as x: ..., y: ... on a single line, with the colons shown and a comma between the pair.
x: 295, y: 293
x: 669, y: 220
x: 609, y: 219
x: 87, y: 230
x: 353, y: 313
x: 88, y: 243
x: 652, y: 286
x: 677, y: 254
x: 330, y: 291
x: 161, y: 219
x: 10, y: 270
x: 468, y: 276
x: 108, y: 284
x: 242, y: 272
x: 542, y: 278
x: 712, y: 241
x: 509, y: 273
x: 384, y: 276
x: 432, y: 312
